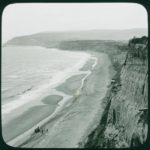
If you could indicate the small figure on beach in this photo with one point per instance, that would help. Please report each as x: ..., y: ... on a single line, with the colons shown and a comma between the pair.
x: 37, y: 130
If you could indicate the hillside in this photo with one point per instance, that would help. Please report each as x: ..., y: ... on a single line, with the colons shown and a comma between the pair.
x: 53, y: 39
x: 125, y: 120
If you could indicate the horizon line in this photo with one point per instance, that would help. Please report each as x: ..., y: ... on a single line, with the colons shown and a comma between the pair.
x: 74, y: 30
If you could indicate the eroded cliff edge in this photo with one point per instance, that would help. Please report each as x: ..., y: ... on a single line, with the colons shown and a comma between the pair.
x: 125, y: 120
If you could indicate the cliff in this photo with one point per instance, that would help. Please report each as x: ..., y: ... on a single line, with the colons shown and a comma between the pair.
x: 125, y: 120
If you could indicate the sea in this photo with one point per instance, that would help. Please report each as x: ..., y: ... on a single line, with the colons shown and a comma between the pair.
x: 27, y: 71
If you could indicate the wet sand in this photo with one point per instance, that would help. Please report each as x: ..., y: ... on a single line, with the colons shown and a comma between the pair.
x: 77, y: 118
x: 30, y: 118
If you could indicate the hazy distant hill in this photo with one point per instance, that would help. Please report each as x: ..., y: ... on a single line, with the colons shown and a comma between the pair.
x: 53, y: 38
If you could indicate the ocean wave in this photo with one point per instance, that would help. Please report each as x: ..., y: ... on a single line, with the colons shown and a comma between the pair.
x: 40, y: 91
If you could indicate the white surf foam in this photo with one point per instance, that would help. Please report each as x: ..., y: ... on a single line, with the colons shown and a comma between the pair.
x: 57, y: 78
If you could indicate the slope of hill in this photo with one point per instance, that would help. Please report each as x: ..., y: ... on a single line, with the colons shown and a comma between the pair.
x: 52, y: 39
x: 125, y: 120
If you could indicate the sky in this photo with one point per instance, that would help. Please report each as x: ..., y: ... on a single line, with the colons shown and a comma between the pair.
x: 25, y: 18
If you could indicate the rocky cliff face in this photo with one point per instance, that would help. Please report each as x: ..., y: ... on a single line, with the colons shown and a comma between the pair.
x: 125, y: 122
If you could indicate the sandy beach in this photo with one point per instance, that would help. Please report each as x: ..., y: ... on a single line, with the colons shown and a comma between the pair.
x: 74, y: 75
x: 74, y: 120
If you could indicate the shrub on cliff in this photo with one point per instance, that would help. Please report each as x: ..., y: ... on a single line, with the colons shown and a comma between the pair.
x: 138, y: 47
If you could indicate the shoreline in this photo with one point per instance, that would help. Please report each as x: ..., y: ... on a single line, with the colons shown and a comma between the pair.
x: 47, y: 120
x: 34, y: 108
x: 57, y: 79
x: 63, y: 122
